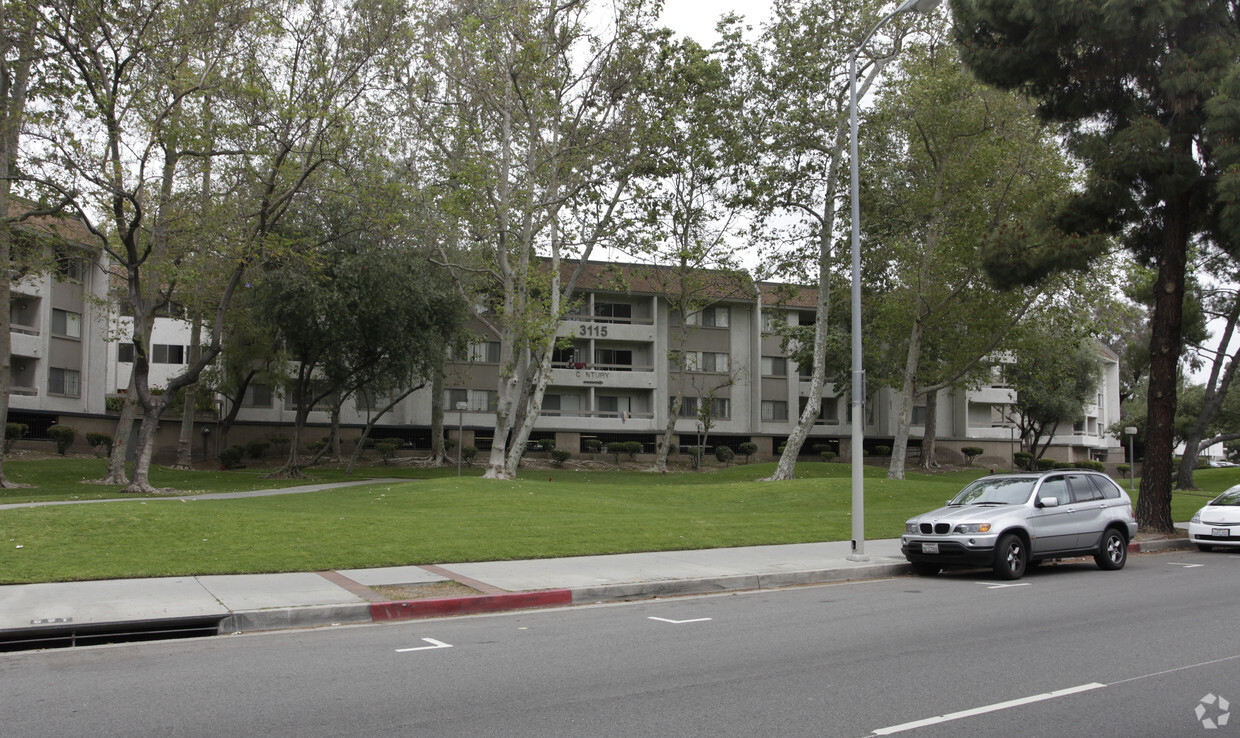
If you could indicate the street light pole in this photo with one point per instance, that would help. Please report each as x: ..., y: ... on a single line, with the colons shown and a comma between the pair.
x: 1131, y: 432
x: 460, y: 433
x: 858, y: 372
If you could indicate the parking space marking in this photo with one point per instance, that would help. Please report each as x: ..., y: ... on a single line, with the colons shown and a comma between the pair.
x: 987, y: 709
x: 434, y: 644
x: 679, y: 622
x: 1000, y: 585
x: 1185, y: 566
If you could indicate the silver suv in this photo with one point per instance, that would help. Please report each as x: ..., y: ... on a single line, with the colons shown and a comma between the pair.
x: 1012, y: 521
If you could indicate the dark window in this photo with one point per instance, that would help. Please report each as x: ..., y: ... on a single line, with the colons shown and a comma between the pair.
x: 622, y: 312
x: 164, y: 353
x: 1056, y: 487
x: 257, y: 395
x: 124, y: 353
x: 1106, y: 487
x: 64, y: 382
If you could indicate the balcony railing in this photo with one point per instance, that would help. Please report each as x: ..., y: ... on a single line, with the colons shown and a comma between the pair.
x: 614, y: 414
x: 24, y: 391
x: 24, y: 330
x: 598, y: 367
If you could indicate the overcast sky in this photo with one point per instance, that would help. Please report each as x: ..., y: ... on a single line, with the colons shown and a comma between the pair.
x: 697, y: 19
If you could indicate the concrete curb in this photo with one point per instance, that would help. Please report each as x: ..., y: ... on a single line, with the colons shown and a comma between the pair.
x: 738, y: 583
x: 1167, y: 544
x: 295, y: 617
x: 429, y: 608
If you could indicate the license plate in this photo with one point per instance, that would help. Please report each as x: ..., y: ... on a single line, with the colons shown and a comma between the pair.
x: 929, y: 548
x: 1220, y: 532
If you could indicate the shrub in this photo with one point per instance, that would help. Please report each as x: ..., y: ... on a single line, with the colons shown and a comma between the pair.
x: 546, y: 444
x: 633, y: 448
x: 316, y: 446
x: 593, y: 445
x: 63, y: 435
x: 1023, y: 459
x: 256, y: 449
x: 13, y: 432
x: 971, y: 453
x: 230, y: 458
x: 748, y: 449
x: 818, y: 448
x: 1044, y: 464
x: 114, y: 405
x: 468, y: 453
x: 278, y: 442
x: 560, y: 455
x: 781, y: 448
x: 724, y: 454
x: 695, y: 453
x: 387, y: 449
x: 1124, y: 468
x: 101, y: 442
x: 1095, y: 465
x: 882, y: 450
x: 828, y: 455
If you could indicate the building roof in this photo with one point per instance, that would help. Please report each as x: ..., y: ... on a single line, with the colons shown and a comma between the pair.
x: 718, y: 284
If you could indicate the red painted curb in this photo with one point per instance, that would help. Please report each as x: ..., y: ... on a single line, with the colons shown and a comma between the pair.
x: 429, y: 608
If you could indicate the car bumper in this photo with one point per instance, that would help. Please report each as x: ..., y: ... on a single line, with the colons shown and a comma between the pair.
x: 952, y: 552
x: 1214, y: 535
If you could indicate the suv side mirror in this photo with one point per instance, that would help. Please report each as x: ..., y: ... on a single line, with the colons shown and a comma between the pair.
x: 1048, y: 502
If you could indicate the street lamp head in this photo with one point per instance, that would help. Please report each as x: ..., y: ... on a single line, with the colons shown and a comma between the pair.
x: 918, y: 6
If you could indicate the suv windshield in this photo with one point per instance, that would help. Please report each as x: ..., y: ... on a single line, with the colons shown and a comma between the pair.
x: 1009, y: 491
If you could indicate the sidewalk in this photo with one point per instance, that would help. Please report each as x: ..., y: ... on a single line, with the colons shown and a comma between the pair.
x: 39, y: 615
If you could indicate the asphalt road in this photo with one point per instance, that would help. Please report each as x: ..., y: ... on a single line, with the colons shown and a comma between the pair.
x: 1069, y: 650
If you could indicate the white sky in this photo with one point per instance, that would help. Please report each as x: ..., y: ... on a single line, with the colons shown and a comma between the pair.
x: 697, y: 19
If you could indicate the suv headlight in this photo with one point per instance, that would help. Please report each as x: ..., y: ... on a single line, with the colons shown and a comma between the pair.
x: 911, y: 528
x: 973, y: 528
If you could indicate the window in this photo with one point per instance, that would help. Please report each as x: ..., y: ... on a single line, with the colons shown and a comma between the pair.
x: 1082, y: 489
x: 714, y: 362
x: 124, y: 353
x: 1056, y: 487
x: 568, y: 357
x: 476, y: 401
x: 365, y: 400
x: 66, y: 324
x: 620, y: 312
x: 257, y: 395
x: 721, y: 407
x: 715, y: 317
x: 617, y: 359
x: 484, y: 352
x: 774, y: 410
x: 64, y: 382
x: 70, y: 269
x: 688, y: 407
x: 919, y: 415
x: 167, y: 353
x: 805, y: 372
x: 773, y: 320
x: 774, y: 366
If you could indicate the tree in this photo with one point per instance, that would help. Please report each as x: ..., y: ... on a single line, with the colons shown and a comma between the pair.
x: 537, y: 117
x: 1145, y: 94
x: 163, y: 94
x: 1055, y: 375
x: 796, y: 87
x: 950, y: 161
x: 364, y: 318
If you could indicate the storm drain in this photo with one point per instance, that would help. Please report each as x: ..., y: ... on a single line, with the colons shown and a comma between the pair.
x: 69, y: 635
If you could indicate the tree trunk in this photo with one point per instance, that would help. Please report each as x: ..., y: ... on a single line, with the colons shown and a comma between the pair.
x: 141, y: 483
x: 929, y: 440
x: 120, y: 437
x: 185, y: 443
x: 439, y: 455
x: 904, y: 418
x: 1154, y: 502
x: 1216, y: 393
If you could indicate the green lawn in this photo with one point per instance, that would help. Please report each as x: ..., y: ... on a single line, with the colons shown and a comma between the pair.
x: 437, y: 518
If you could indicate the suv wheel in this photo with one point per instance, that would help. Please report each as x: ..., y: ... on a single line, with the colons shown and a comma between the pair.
x: 1011, y: 557
x: 1113, y: 551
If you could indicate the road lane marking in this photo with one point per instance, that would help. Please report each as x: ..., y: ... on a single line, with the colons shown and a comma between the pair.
x: 680, y: 622
x: 1186, y: 566
x: 987, y: 709
x: 997, y: 585
x: 434, y: 644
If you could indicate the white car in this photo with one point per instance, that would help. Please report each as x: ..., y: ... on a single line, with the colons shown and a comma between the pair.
x: 1217, y: 524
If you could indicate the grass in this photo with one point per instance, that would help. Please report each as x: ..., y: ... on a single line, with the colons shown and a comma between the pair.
x: 437, y: 517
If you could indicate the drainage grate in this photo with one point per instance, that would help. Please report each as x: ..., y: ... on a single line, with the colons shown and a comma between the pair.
x: 73, y: 636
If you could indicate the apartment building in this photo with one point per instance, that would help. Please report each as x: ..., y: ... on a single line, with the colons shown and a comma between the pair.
x: 626, y: 352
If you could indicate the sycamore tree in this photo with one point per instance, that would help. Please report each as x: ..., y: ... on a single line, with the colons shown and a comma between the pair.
x: 536, y: 112
x: 795, y: 81
x: 1146, y: 94
x: 948, y: 162
x: 156, y: 96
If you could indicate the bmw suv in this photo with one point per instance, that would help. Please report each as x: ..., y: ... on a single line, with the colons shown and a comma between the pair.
x: 1010, y: 522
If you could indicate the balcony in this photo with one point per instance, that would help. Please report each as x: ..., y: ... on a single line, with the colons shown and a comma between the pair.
x: 582, y: 374
x: 25, y: 342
